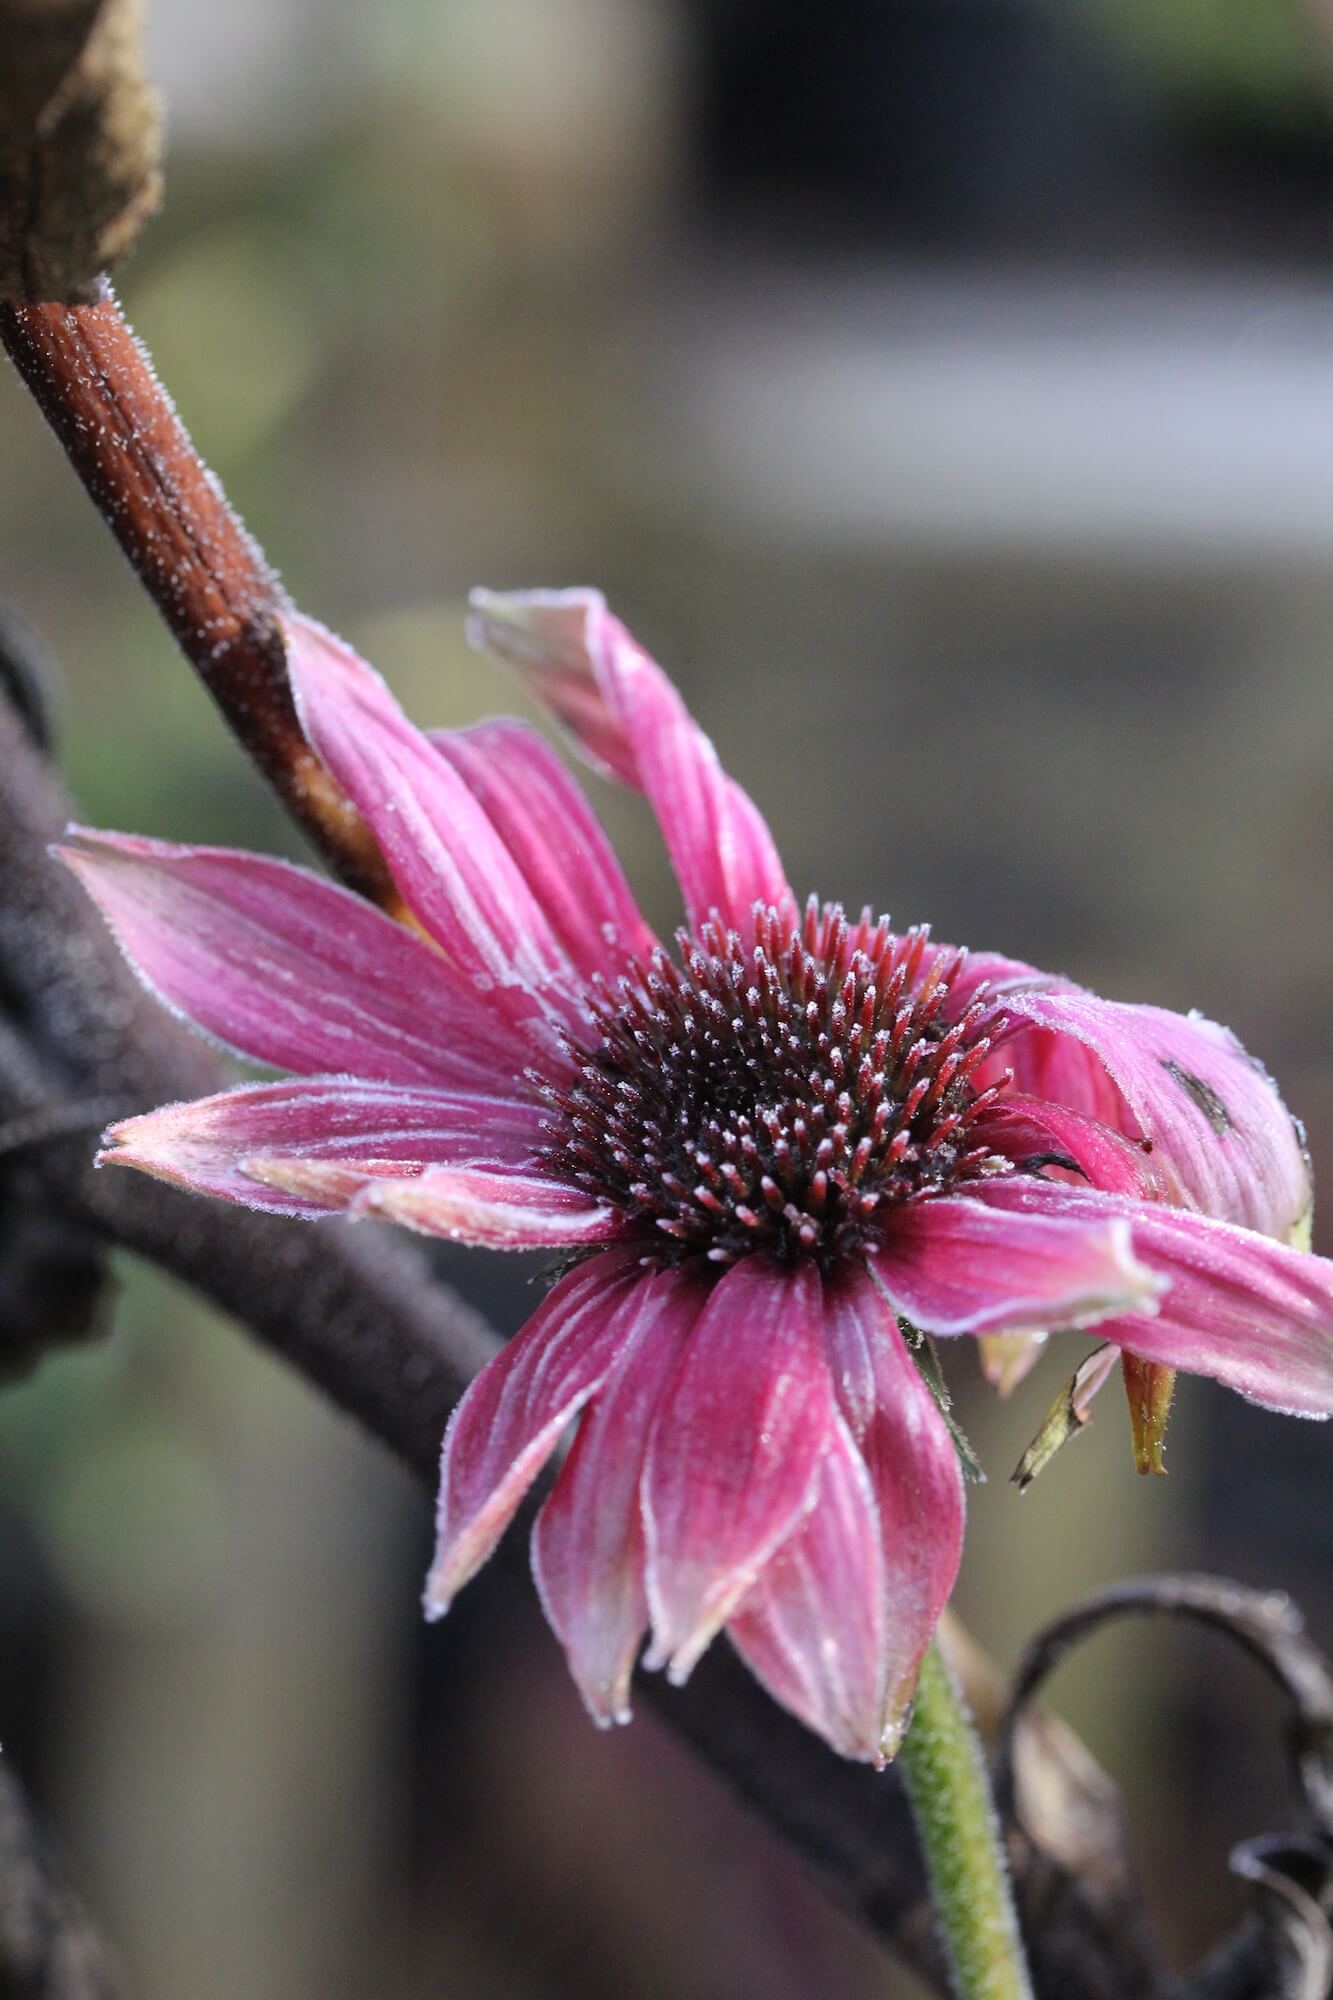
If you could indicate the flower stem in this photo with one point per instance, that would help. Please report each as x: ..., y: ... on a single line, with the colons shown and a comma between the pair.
x: 946, y: 1780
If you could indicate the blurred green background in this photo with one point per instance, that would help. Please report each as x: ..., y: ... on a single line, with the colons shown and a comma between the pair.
x: 945, y: 396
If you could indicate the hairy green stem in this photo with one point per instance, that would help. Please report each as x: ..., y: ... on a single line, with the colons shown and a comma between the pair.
x: 942, y: 1765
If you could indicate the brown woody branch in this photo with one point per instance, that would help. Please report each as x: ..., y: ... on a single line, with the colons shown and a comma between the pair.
x: 95, y: 386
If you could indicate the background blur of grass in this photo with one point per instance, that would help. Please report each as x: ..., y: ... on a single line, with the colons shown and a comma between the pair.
x: 946, y: 398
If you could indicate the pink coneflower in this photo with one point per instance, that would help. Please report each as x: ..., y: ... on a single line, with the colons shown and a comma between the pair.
x: 774, y: 1157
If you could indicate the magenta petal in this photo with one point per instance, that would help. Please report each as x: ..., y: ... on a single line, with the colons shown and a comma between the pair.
x: 288, y: 969
x: 815, y: 1628
x: 1238, y: 1306
x: 630, y: 723
x: 734, y: 1457
x: 914, y: 1472
x: 211, y: 1145
x: 526, y: 1210
x: 442, y: 851
x: 547, y: 827
x: 959, y: 1265
x: 510, y: 1420
x: 588, y: 1545
x: 1218, y: 1128
x: 987, y: 974
x: 1027, y: 1128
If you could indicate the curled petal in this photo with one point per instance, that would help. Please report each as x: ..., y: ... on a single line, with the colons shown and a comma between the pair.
x: 1219, y: 1132
x: 588, y: 1544
x: 288, y: 969
x: 914, y: 1472
x: 1236, y: 1305
x: 214, y: 1144
x: 734, y: 1456
x: 629, y: 722
x: 445, y: 856
x: 547, y: 827
x: 960, y: 1265
x: 511, y: 1418
x: 520, y: 1210
x: 816, y: 1627
x: 1029, y: 1129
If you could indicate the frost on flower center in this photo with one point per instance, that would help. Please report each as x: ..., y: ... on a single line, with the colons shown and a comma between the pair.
x: 775, y: 1097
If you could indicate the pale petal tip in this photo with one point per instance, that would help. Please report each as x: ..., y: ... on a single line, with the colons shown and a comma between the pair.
x: 439, y: 1593
x: 680, y: 1655
x: 521, y: 627
x: 1008, y: 1358
x: 897, y: 1720
x: 608, y: 1704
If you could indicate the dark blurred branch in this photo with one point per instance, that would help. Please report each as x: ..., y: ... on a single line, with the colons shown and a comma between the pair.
x: 95, y: 386
x: 80, y: 142
x: 1266, y: 1624
x: 1284, y: 1949
x: 48, y: 1950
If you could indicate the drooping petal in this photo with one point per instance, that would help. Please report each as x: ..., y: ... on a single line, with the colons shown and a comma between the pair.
x: 288, y: 969
x: 588, y: 1544
x: 1149, y: 1388
x: 524, y: 1209
x: 511, y: 1418
x: 816, y: 1627
x: 549, y: 830
x: 735, y: 1452
x: 1031, y: 1131
x: 958, y: 1265
x: 914, y: 1472
x: 446, y: 858
x: 1217, y: 1126
x: 1237, y: 1305
x: 319, y: 1123
x: 629, y: 722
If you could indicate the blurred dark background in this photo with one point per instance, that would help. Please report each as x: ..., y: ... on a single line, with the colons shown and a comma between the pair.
x: 945, y: 392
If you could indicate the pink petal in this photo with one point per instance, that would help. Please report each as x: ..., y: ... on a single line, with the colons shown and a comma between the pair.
x: 545, y: 824
x: 1030, y: 1128
x: 442, y: 851
x: 815, y: 1628
x: 588, y: 1545
x: 1238, y: 1306
x: 959, y: 1265
x: 287, y: 969
x: 1219, y: 1131
x: 210, y: 1146
x: 991, y: 972
x: 630, y: 723
x: 1053, y: 1068
x: 914, y: 1472
x: 510, y: 1420
x: 734, y: 1456
x: 498, y: 1211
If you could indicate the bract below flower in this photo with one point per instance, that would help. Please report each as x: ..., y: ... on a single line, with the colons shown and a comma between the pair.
x: 769, y: 1150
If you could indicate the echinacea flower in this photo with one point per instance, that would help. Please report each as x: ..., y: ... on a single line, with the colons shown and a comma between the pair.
x: 774, y: 1157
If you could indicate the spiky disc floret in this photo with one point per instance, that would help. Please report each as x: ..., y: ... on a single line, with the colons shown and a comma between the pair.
x: 778, y: 1097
